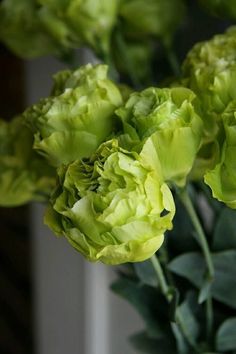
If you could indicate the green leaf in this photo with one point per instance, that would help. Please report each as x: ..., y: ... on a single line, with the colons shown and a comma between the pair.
x: 150, y: 305
x: 187, y: 321
x: 182, y: 345
x: 226, y: 335
x: 146, y: 273
x: 144, y: 344
x: 205, y: 291
x: 174, y: 303
x: 225, y: 231
x: 224, y: 286
x: 192, y: 267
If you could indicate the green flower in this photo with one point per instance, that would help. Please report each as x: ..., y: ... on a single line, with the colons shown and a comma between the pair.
x: 91, y: 21
x: 139, y: 25
x: 206, y: 159
x: 222, y: 178
x: 21, y: 30
x: 24, y: 176
x: 74, y: 123
x: 158, y: 18
x: 33, y: 28
x: 113, y: 207
x: 169, y: 118
x: 57, y: 29
x: 210, y: 71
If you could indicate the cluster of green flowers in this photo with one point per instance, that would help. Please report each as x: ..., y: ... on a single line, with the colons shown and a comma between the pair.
x: 210, y: 71
x: 37, y: 27
x: 113, y: 200
x: 114, y: 203
x: 117, y: 28
x: 139, y: 25
x: 117, y: 158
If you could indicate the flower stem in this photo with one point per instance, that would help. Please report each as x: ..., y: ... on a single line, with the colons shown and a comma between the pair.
x: 206, y: 251
x: 121, y: 44
x: 165, y: 289
x: 173, y: 61
x: 161, y: 277
x: 209, y: 315
x: 201, y: 235
x: 172, y: 58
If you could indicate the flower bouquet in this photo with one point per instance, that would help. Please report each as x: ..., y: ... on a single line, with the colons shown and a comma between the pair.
x: 135, y: 156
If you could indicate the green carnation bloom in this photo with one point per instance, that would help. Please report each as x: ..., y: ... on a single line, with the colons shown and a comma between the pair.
x: 222, y: 178
x: 113, y: 207
x: 94, y: 19
x: 134, y: 40
x: 169, y: 118
x: 158, y: 18
x: 22, y: 31
x: 79, y: 118
x: 24, y: 175
x: 33, y: 28
x: 210, y: 71
x: 57, y: 29
x: 221, y: 8
x: 91, y: 21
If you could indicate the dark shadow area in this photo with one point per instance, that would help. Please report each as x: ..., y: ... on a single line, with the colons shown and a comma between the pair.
x: 15, y: 249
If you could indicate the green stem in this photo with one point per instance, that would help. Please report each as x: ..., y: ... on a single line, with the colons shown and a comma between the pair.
x: 201, y: 235
x: 172, y: 58
x: 165, y: 291
x: 164, y: 259
x: 209, y: 312
x: 129, y: 65
x: 184, y: 330
x: 161, y: 278
x: 206, y: 251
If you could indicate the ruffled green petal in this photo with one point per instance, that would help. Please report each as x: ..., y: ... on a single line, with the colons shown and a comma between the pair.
x: 24, y: 175
x: 114, y: 206
x: 73, y: 122
x: 164, y: 118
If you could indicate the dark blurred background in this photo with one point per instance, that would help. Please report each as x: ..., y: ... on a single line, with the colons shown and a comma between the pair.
x: 15, y: 249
